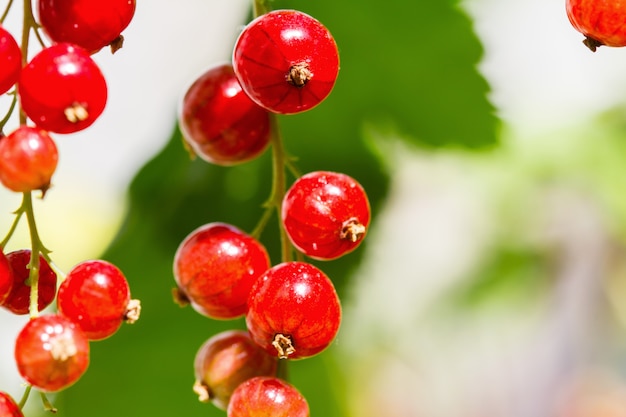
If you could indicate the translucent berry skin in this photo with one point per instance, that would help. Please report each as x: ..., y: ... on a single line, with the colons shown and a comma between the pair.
x: 11, y: 58
x: 89, y: 24
x: 293, y: 311
x: 286, y: 61
x: 95, y: 295
x: 6, y: 278
x: 8, y: 406
x: 18, y: 300
x: 62, y: 89
x: 28, y: 159
x: 326, y: 214
x: 51, y: 352
x: 267, y: 397
x: 226, y: 360
x: 215, y: 267
x: 219, y: 121
x: 600, y: 21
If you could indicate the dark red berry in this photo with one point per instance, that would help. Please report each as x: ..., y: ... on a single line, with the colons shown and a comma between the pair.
x: 219, y: 121
x: 28, y: 159
x: 326, y: 214
x: 62, y: 89
x: 293, y: 311
x: 215, y: 267
x: 51, y: 352
x: 8, y: 406
x: 96, y: 296
x: 600, y: 21
x: 18, y: 300
x: 11, y: 58
x: 90, y: 24
x: 226, y: 360
x: 265, y: 397
x: 286, y: 61
x: 6, y: 277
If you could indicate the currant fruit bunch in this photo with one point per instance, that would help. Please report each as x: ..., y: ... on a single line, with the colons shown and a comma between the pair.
x: 59, y: 90
x: 283, y: 62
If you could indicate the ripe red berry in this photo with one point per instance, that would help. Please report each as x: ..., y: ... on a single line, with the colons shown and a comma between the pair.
x: 600, y: 21
x: 62, y: 89
x: 267, y: 396
x: 8, y: 406
x: 6, y: 277
x: 325, y: 214
x: 89, y: 24
x: 215, y: 267
x: 286, y: 61
x: 96, y: 296
x: 219, y: 121
x: 18, y: 300
x: 28, y: 159
x: 226, y: 360
x: 293, y: 311
x: 51, y: 352
x: 11, y: 58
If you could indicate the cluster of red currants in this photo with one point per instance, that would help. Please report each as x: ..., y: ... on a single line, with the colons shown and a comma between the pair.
x: 599, y: 20
x: 61, y: 90
x: 284, y: 62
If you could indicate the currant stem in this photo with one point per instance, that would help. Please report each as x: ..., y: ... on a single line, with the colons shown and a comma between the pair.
x: 47, y: 405
x: 260, y: 7
x: 6, y: 11
x: 25, y: 396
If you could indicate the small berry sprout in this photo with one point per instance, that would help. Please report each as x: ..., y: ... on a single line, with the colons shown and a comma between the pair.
x: 59, y: 90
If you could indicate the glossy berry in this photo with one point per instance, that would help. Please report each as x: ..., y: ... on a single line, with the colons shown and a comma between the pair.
x: 51, y: 352
x: 11, y: 58
x: 96, y: 296
x: 90, y: 24
x: 62, y: 89
x: 293, y: 311
x: 325, y: 214
x: 219, y: 121
x: 226, y: 360
x: 8, y: 406
x: 18, y: 300
x: 28, y: 159
x: 600, y: 21
x: 215, y: 267
x: 6, y: 277
x: 286, y: 61
x: 265, y: 397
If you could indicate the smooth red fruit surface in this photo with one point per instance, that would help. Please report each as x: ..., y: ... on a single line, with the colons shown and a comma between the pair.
x: 8, y: 406
x: 226, y: 360
x: 601, y: 21
x: 28, y: 159
x: 6, y: 277
x: 18, y: 300
x: 95, y: 295
x: 293, y: 311
x: 62, y: 89
x: 51, y: 352
x: 215, y: 267
x: 11, y: 58
x: 90, y: 24
x: 326, y: 214
x: 267, y: 397
x: 219, y: 121
x: 286, y: 61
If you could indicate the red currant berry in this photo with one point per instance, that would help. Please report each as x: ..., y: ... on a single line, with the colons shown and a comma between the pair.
x: 11, y: 58
x: 8, y: 406
x: 6, y: 277
x: 293, y: 311
x: 51, y: 352
x: 226, y: 360
x: 62, y: 89
x: 286, y: 61
x: 18, y: 300
x: 267, y: 396
x: 325, y: 214
x: 96, y: 296
x: 215, y: 267
x: 600, y: 21
x: 89, y: 24
x: 219, y: 121
x: 28, y: 159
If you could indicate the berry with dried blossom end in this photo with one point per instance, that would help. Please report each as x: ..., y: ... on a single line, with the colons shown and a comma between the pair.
x: 8, y: 406
x: 267, y: 396
x: 600, y: 21
x: 51, y: 352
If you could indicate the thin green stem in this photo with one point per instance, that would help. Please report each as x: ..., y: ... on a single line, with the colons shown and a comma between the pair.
x: 6, y: 11
x: 47, y: 405
x: 260, y: 7
x: 18, y: 215
x: 6, y: 118
x: 25, y: 396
